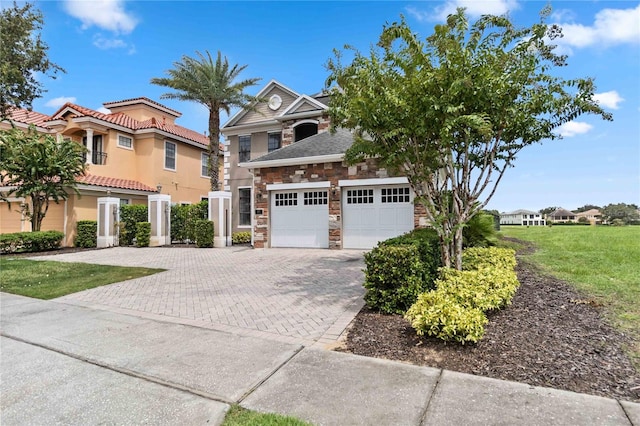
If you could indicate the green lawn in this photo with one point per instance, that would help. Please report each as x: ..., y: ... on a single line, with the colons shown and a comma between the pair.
x: 47, y: 280
x: 602, y: 261
x: 238, y: 416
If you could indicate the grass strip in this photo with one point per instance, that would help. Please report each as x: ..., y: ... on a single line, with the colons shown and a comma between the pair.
x: 48, y: 279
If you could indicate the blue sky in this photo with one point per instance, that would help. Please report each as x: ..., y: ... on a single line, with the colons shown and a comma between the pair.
x: 112, y: 48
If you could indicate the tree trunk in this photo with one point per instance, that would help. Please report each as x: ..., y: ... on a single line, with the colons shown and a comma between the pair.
x: 36, y: 214
x: 214, y: 147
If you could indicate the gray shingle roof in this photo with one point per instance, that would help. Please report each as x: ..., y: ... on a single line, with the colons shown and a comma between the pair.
x: 325, y: 143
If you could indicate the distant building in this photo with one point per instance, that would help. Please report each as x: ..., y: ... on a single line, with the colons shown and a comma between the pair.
x: 562, y: 215
x: 594, y: 216
x: 522, y: 217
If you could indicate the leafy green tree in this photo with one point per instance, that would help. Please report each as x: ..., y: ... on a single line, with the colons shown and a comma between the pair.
x: 39, y: 168
x: 212, y: 84
x: 453, y: 111
x: 23, y: 54
x: 624, y: 212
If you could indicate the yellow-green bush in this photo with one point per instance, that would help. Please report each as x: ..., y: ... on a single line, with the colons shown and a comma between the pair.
x: 242, y: 237
x: 455, y: 309
x: 437, y: 314
x: 478, y: 257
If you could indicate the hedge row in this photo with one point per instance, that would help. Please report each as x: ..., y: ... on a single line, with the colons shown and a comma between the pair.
x: 28, y: 242
x: 455, y: 311
x: 87, y: 234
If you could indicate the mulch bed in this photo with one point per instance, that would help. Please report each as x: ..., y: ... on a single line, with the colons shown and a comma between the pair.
x: 549, y: 336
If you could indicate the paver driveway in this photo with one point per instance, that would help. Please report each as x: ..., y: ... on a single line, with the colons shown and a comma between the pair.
x: 291, y: 295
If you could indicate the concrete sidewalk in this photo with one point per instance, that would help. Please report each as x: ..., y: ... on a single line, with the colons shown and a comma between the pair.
x: 69, y: 364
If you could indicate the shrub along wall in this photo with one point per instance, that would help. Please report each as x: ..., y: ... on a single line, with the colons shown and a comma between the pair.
x: 184, y: 218
x: 86, y: 234
x: 130, y: 216
x: 27, y: 242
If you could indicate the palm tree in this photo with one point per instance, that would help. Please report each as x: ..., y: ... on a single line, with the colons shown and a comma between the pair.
x: 213, y: 85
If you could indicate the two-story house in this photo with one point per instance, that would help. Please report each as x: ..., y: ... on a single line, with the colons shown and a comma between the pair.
x: 134, y: 150
x: 522, y: 217
x: 561, y: 215
x: 291, y: 187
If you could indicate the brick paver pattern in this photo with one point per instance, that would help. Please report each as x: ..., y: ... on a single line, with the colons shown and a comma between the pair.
x: 298, y: 294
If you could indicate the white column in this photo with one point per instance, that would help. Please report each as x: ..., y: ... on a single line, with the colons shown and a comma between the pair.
x: 89, y: 145
x: 108, y: 216
x: 160, y: 219
x: 220, y: 215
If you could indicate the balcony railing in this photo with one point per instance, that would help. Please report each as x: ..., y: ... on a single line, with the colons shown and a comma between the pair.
x: 97, y: 157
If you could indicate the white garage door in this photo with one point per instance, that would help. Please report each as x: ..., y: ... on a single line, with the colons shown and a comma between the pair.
x: 373, y: 214
x: 300, y: 218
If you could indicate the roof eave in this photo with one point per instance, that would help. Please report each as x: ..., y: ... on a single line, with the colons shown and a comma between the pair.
x: 318, y: 159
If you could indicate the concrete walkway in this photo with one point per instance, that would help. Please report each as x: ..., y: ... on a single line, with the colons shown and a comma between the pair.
x: 69, y: 364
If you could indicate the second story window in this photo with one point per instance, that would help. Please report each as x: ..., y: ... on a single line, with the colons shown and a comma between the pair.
x: 169, y: 155
x: 125, y: 142
x: 274, y: 141
x: 244, y: 148
x: 204, y: 172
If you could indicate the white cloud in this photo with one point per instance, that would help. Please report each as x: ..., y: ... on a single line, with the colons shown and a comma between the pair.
x: 475, y: 8
x: 573, y: 128
x: 609, y: 99
x: 610, y: 26
x: 103, y: 110
x: 106, y: 14
x: 58, y: 102
x: 108, y: 43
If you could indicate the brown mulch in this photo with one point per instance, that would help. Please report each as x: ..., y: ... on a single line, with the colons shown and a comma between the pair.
x: 549, y: 336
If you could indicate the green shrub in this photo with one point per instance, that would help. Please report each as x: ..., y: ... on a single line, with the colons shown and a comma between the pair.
x: 184, y: 217
x: 479, y: 257
x: 29, y: 242
x: 143, y: 234
x: 203, y: 230
x: 617, y: 222
x: 86, y: 234
x: 427, y: 242
x: 130, y: 216
x: 393, y: 278
x: 455, y: 310
x: 243, y: 237
x: 480, y: 231
x: 485, y: 289
x: 437, y: 314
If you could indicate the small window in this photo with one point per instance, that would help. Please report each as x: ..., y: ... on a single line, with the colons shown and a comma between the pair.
x: 124, y: 201
x: 304, y: 130
x: 125, y: 142
x: 244, y: 148
x: 396, y: 195
x: 204, y: 167
x: 169, y: 155
x: 314, y: 198
x: 360, y: 196
x: 287, y: 199
x: 275, y: 140
x: 244, y: 206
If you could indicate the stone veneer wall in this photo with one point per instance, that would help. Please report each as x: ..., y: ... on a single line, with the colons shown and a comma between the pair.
x: 332, y: 172
x: 287, y: 128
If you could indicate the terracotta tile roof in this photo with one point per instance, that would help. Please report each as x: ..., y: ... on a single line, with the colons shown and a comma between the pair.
x: 143, y: 98
x: 124, y: 120
x: 28, y: 117
x: 111, y: 182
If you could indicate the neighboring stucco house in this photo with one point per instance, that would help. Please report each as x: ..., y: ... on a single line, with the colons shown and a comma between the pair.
x: 522, y: 217
x: 562, y: 215
x: 291, y: 188
x: 594, y: 216
x: 134, y: 150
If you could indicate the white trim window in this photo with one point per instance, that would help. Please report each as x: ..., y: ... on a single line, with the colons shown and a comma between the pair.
x: 244, y: 207
x: 125, y: 141
x: 170, y: 154
x: 244, y: 148
x: 274, y: 141
x: 204, y: 164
